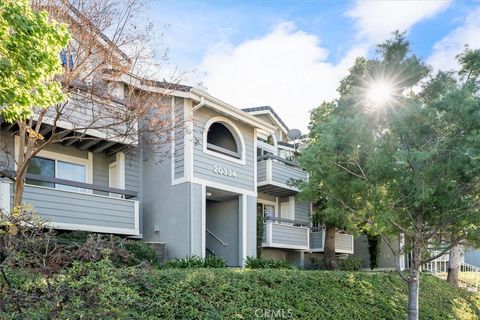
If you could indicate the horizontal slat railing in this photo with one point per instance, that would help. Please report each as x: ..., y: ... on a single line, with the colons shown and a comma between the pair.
x: 294, y: 222
x: 127, y: 193
x: 274, y: 157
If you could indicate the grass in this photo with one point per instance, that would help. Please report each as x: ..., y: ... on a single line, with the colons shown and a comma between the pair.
x: 99, y: 290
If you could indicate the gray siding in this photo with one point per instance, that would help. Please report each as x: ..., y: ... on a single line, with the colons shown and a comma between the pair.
x: 289, y: 235
x: 85, y: 112
x: 316, y: 240
x: 179, y: 143
x: 283, y: 173
x: 59, y: 206
x: 203, y: 163
x: 222, y: 219
x: 101, y: 171
x: 261, y: 171
x: 132, y: 171
x: 166, y: 208
x: 302, y: 210
x: 385, y: 256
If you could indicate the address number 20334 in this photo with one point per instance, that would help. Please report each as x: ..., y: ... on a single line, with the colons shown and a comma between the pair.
x: 224, y: 171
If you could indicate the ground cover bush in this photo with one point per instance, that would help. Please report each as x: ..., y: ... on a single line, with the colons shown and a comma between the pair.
x: 267, y: 263
x: 344, y: 264
x: 100, y: 290
x: 195, y: 262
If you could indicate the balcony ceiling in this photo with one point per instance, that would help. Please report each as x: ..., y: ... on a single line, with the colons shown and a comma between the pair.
x: 276, y: 190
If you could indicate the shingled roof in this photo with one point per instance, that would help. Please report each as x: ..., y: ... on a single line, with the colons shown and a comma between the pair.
x: 267, y: 108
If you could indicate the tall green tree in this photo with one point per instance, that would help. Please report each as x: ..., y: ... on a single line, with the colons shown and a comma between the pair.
x: 30, y: 46
x: 399, y: 151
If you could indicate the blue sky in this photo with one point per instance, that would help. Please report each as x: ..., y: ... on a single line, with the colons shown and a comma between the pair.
x: 292, y: 54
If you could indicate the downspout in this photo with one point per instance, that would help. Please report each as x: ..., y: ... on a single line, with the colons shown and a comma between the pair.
x: 200, y: 104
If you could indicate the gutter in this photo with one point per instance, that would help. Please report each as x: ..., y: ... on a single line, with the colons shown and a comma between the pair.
x: 206, y: 99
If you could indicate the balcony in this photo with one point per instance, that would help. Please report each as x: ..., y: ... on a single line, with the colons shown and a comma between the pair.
x: 343, y: 241
x: 274, y: 176
x: 287, y: 234
x: 110, y: 210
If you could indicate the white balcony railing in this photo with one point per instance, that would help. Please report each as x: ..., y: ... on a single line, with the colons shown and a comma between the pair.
x: 282, y: 233
x: 343, y: 242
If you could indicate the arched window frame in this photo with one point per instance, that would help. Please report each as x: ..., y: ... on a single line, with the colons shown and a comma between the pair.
x: 236, y: 135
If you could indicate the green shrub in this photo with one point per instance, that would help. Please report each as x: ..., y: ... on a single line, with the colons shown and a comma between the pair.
x: 99, y: 290
x: 73, y: 237
x: 195, y: 262
x: 141, y: 251
x: 316, y: 263
x: 266, y: 263
x: 344, y: 264
x: 349, y: 264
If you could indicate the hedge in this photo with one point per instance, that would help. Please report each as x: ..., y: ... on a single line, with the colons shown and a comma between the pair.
x: 99, y: 290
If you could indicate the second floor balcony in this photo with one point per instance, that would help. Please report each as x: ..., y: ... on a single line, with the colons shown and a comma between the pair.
x: 73, y: 205
x: 276, y: 175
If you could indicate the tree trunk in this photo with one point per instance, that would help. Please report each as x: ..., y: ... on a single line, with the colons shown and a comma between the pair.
x: 454, y: 264
x: 329, y: 249
x: 414, y: 283
x: 18, y: 190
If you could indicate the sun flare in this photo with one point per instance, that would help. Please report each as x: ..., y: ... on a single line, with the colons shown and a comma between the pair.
x: 380, y: 93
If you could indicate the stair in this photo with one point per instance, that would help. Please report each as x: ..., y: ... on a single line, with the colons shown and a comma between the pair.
x: 468, y: 276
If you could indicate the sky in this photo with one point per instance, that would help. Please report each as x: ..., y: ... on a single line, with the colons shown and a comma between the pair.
x: 291, y: 55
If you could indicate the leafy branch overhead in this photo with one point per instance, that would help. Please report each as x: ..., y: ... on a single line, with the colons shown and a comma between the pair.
x: 30, y: 44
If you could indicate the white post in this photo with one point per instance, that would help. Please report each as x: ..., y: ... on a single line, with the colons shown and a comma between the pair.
x: 476, y: 280
x: 5, y: 196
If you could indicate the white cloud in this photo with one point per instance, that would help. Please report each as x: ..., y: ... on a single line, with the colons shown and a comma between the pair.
x: 286, y: 69
x: 376, y: 20
x: 444, y: 51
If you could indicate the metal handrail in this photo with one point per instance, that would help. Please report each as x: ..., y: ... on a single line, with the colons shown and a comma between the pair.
x: 274, y: 157
x: 216, y: 237
x: 82, y: 185
x: 297, y: 222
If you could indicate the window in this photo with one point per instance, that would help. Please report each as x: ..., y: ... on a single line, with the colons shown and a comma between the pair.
x: 43, y: 167
x: 56, y: 169
x: 265, y: 210
x: 220, y: 139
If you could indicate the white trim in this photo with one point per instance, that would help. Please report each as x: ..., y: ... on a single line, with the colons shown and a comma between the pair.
x: 120, y: 159
x: 401, y: 258
x: 137, y: 216
x: 204, y: 221
x: 255, y: 156
x: 284, y: 246
x: 276, y: 184
x: 222, y: 186
x: 91, y: 228
x: 89, y: 168
x: 281, y: 146
x: 172, y: 141
x: 267, y: 202
x: 196, y: 94
x: 244, y: 230
x: 272, y: 116
x: 236, y: 134
x: 5, y: 196
x: 188, y: 139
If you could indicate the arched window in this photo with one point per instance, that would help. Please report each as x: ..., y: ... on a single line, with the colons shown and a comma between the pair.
x: 221, y: 139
